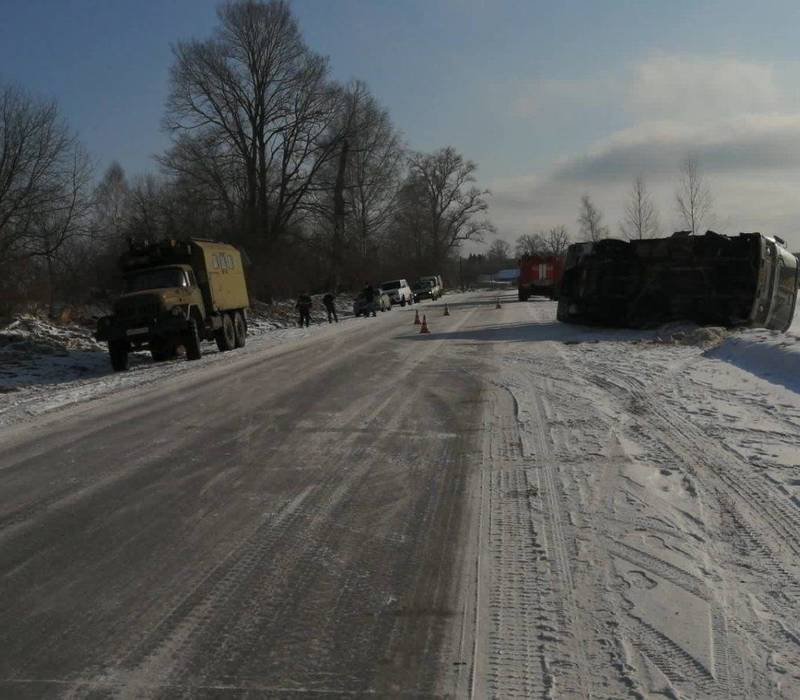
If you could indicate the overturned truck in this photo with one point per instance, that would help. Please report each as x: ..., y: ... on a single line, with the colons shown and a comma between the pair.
x: 744, y: 280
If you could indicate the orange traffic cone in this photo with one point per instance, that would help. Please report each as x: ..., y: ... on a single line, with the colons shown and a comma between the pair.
x: 446, y: 310
x: 497, y: 306
x: 416, y: 318
x: 424, y: 328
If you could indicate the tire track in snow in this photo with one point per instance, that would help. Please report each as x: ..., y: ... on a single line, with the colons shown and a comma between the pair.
x: 757, y: 512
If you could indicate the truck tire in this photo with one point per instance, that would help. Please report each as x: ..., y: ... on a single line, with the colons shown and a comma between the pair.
x: 118, y: 352
x: 191, y: 341
x: 239, y: 329
x: 226, y: 336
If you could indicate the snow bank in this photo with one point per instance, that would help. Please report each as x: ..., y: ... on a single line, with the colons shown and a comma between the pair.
x: 46, y: 365
x: 686, y: 333
x: 771, y: 355
x: 35, y: 352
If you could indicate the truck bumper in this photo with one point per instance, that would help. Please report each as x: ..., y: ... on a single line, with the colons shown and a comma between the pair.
x: 542, y: 290
x: 110, y: 329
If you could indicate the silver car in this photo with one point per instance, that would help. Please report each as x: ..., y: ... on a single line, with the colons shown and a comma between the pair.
x: 381, y: 302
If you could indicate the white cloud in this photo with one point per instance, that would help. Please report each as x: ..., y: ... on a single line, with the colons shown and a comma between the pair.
x: 694, y: 88
x: 732, y: 115
x: 741, y: 144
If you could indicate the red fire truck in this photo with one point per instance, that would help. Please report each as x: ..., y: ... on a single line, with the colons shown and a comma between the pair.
x: 539, y: 275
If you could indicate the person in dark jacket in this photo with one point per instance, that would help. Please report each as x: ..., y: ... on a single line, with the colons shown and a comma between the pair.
x: 304, y: 308
x: 329, y: 301
x: 369, y: 297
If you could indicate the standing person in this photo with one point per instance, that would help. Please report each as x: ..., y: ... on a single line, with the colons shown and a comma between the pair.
x: 329, y: 300
x: 304, y: 307
x: 369, y: 296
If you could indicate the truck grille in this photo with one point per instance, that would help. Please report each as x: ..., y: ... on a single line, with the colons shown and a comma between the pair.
x: 139, y: 312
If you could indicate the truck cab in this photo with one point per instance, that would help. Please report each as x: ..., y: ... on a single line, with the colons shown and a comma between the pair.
x: 776, y: 296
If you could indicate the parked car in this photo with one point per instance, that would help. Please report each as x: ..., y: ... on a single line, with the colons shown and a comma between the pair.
x: 434, y: 286
x: 399, y: 292
x: 380, y: 303
x: 423, y: 289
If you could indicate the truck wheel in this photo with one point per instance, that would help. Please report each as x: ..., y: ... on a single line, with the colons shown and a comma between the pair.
x: 239, y: 329
x: 118, y: 352
x: 226, y: 336
x: 191, y: 341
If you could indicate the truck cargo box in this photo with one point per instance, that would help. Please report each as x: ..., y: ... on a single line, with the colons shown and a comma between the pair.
x: 219, y: 269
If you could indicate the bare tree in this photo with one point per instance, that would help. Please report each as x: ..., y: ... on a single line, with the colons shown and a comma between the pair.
x: 357, y: 191
x: 451, y: 207
x: 556, y: 240
x: 693, y: 198
x: 498, y: 253
x: 111, y: 206
x: 44, y: 181
x: 259, y: 100
x: 374, y: 169
x: 43, y: 174
x: 530, y: 244
x: 590, y: 220
x: 641, y: 218
x: 204, y: 165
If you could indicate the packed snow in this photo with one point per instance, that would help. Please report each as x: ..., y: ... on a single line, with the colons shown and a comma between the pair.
x: 640, y: 512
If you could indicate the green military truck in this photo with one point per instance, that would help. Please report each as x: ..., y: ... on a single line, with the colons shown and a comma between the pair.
x: 177, y: 293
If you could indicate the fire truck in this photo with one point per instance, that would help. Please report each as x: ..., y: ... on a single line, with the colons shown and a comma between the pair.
x: 539, y: 275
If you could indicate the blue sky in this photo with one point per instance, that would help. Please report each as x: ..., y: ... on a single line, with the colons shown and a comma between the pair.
x: 551, y: 99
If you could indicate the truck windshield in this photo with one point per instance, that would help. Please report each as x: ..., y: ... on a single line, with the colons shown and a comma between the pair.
x: 155, y: 279
x: 391, y: 285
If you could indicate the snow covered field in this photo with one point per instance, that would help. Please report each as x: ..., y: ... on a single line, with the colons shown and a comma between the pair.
x: 640, y: 524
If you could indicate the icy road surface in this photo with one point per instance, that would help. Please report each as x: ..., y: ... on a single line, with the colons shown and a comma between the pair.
x: 508, y: 507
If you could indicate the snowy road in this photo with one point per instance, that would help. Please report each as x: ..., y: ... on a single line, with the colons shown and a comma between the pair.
x: 508, y: 507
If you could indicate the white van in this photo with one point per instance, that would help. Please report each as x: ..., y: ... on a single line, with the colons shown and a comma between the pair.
x: 398, y: 292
